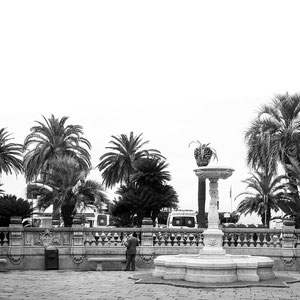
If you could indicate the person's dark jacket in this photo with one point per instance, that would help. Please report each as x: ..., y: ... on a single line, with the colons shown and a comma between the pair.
x: 131, y: 245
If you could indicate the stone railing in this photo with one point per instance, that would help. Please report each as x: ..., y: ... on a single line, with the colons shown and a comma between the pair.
x: 25, y: 246
x: 252, y: 237
x: 115, y: 237
x: 160, y: 237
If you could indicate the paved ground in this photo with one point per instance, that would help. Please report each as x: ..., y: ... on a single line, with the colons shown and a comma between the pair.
x: 118, y: 285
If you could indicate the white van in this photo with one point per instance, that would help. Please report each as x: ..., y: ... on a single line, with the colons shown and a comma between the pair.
x: 182, y: 218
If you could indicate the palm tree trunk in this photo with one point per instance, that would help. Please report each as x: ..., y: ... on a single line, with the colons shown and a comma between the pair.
x: 67, y: 215
x: 201, y: 202
x: 295, y: 193
x: 56, y: 213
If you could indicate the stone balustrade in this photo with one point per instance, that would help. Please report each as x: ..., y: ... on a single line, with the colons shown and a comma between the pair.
x: 24, y: 247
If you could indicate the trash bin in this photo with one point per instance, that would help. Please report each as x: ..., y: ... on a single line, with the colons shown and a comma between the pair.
x: 51, y: 258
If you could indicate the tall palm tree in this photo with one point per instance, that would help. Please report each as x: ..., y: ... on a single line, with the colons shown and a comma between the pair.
x: 10, y: 154
x: 276, y: 130
x: 67, y: 189
x: 118, y: 165
x: 52, y: 139
x: 266, y: 192
x: 291, y: 207
x: 274, y: 137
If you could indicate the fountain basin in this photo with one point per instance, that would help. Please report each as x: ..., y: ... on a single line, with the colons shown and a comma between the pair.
x: 214, y: 172
x: 214, y: 268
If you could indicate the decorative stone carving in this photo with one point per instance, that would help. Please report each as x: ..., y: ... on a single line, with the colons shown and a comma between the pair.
x: 288, y: 261
x: 47, y: 238
x: 78, y: 254
x: 212, y: 242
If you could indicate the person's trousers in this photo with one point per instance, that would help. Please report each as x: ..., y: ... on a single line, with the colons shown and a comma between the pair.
x: 130, y: 262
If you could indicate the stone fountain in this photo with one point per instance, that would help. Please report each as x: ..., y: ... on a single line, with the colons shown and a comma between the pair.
x: 212, y: 264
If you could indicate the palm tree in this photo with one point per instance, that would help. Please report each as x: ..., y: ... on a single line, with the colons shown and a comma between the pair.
x: 266, y: 193
x: 150, y: 172
x: 275, y: 129
x: 148, y: 191
x: 50, y: 140
x: 274, y: 137
x: 118, y: 165
x: 10, y: 154
x: 291, y: 207
x: 67, y: 189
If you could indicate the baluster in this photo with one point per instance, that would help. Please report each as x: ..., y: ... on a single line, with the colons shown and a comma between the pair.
x: 96, y: 238
x: 154, y: 238
x: 123, y: 237
x: 231, y: 239
x: 191, y: 238
x: 225, y: 240
x: 238, y: 240
x: 102, y: 239
x: 109, y: 237
x: 274, y: 240
x: 6, y: 238
x: 264, y: 241
x: 160, y: 238
x: 116, y: 237
x: 243, y: 238
x: 168, y: 240
x: 251, y: 240
x: 178, y: 238
x: 259, y: 241
x: 172, y: 238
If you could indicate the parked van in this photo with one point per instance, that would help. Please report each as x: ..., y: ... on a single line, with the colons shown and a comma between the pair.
x: 182, y: 218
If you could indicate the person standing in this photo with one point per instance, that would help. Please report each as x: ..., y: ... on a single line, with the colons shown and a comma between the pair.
x: 131, y: 245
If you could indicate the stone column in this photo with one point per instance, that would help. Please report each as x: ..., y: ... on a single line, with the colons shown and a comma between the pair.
x: 147, y: 238
x: 213, y: 214
x: 15, y: 252
x: 213, y: 236
x: 288, y: 234
x: 146, y: 251
x: 78, y: 249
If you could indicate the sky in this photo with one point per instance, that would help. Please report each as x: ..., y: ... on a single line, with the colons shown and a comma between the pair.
x: 176, y: 71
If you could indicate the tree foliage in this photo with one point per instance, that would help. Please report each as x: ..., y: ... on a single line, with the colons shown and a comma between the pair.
x: 266, y: 192
x: 10, y: 206
x: 52, y: 139
x: 118, y: 165
x: 274, y: 138
x: 10, y: 154
x: 67, y: 189
x: 147, y: 193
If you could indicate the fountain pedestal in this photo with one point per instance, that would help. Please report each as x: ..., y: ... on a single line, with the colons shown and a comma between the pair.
x: 213, y: 264
x: 213, y: 236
